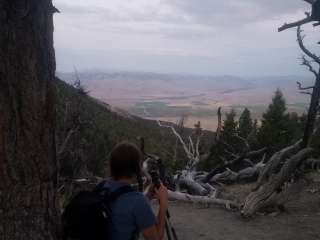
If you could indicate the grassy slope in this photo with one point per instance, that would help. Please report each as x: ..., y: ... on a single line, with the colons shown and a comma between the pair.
x: 105, y: 128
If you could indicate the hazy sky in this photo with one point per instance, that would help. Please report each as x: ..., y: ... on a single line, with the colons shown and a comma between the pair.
x: 237, y: 37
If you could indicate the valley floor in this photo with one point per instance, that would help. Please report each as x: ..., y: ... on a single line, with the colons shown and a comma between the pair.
x: 300, y: 222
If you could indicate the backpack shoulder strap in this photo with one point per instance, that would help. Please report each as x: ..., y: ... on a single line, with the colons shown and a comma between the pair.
x: 112, y: 196
x: 120, y: 191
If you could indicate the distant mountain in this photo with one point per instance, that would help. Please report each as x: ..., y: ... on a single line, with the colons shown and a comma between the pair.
x: 149, y: 78
x: 168, y: 96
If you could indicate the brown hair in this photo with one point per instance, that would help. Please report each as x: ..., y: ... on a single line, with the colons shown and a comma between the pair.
x: 125, y: 159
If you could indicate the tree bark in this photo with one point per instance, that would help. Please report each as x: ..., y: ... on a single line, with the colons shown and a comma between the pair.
x: 28, y: 167
x: 312, y: 114
x: 272, y: 191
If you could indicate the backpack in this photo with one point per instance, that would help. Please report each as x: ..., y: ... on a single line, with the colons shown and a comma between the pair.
x: 88, y: 215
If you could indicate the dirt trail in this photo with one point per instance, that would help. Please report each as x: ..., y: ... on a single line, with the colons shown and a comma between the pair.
x: 300, y: 222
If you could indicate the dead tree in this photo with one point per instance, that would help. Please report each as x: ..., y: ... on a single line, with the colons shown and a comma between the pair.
x: 275, y: 191
x: 180, y: 129
x: 307, y: 60
x: 28, y: 167
x: 313, y: 90
x: 312, y: 16
x: 191, y: 149
x: 271, y: 189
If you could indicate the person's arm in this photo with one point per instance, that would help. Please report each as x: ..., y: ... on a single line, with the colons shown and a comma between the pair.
x: 156, y: 232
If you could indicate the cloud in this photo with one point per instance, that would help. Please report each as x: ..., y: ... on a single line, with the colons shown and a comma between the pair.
x: 207, y: 12
x: 210, y: 31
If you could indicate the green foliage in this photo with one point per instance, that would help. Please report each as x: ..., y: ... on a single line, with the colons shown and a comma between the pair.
x: 245, y: 124
x: 279, y: 129
x: 253, y: 135
x: 230, y: 126
x: 219, y: 150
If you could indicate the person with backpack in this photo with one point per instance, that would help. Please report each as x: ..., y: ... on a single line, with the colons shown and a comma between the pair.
x: 114, y: 210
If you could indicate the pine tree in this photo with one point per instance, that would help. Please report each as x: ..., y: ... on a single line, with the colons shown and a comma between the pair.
x: 295, y: 126
x: 245, y: 123
x: 217, y: 152
x: 274, y: 128
x: 253, y: 136
x: 230, y: 125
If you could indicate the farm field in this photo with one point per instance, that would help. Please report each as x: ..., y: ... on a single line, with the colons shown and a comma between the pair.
x: 168, y: 97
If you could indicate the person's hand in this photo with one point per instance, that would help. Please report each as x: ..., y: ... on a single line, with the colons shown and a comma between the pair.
x: 162, y: 194
x: 150, y: 192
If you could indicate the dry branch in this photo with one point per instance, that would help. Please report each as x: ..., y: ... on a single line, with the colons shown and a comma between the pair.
x: 192, y: 186
x: 300, y: 38
x: 295, y: 24
x: 308, y: 64
x: 184, y: 197
x: 220, y: 168
x: 64, y: 145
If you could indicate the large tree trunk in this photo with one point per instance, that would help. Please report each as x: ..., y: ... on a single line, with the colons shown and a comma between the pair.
x: 28, y: 168
x: 312, y: 114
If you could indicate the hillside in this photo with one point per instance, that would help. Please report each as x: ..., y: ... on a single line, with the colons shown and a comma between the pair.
x: 95, y: 128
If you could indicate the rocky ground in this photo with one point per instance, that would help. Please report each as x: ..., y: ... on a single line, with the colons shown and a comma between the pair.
x: 300, y: 221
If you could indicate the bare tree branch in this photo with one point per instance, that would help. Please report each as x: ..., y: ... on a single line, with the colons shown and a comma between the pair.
x: 189, y: 154
x: 191, y: 145
x: 66, y: 140
x: 306, y: 93
x: 303, y: 88
x: 308, y: 64
x: 304, y: 49
x: 295, y: 24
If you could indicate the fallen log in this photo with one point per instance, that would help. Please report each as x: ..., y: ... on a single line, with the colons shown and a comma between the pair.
x: 248, y: 174
x: 226, y: 177
x: 186, y: 181
x: 312, y: 164
x: 221, y: 167
x: 273, y: 190
x: 184, y: 197
x: 275, y: 161
x: 192, y: 187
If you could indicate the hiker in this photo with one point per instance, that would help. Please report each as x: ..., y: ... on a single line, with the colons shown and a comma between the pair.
x: 131, y: 212
x: 114, y: 210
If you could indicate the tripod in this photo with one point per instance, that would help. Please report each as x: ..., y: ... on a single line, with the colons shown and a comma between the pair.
x: 170, y: 230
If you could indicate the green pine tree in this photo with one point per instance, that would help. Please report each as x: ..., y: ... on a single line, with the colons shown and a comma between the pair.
x: 218, y: 151
x: 274, y: 127
x: 230, y: 126
x: 245, y: 124
x: 253, y: 135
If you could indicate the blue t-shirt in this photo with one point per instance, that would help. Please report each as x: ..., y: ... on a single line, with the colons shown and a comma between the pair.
x: 131, y: 213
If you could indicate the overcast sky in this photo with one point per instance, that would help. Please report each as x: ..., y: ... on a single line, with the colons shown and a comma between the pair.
x: 236, y: 37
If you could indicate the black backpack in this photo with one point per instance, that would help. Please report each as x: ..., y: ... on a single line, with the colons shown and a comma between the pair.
x: 88, y: 215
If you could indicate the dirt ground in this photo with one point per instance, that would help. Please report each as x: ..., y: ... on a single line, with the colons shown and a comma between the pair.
x: 301, y: 221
